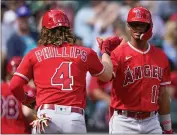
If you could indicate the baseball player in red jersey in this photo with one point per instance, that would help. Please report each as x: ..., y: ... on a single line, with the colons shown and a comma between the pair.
x: 142, y: 74
x: 15, y: 117
x: 59, y: 67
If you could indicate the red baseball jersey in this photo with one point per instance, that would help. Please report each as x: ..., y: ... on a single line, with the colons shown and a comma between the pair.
x: 12, y: 118
x: 96, y: 84
x: 138, y: 77
x: 59, y: 73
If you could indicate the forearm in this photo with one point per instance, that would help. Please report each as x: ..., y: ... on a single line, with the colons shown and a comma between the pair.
x: 107, y: 75
x: 164, y: 103
x: 30, y: 114
x: 107, y: 46
x: 16, y: 87
x: 164, y: 109
x: 107, y: 61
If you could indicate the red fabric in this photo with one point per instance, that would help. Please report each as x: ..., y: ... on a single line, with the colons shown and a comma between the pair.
x: 13, y: 64
x: 139, y: 14
x: 16, y: 87
x: 168, y: 132
x: 14, y: 122
x: 173, y: 17
x: 147, y: 35
x: 60, y: 73
x: 109, y: 44
x: 93, y: 85
x: 55, y: 18
x: 31, y: 91
x: 138, y: 78
x: 96, y: 84
x: 174, y: 82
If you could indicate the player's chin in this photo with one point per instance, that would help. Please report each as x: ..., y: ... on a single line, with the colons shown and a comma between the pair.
x: 136, y: 37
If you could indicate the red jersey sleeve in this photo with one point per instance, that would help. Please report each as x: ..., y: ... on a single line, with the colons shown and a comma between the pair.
x: 166, y: 74
x: 96, y: 68
x: 25, y: 69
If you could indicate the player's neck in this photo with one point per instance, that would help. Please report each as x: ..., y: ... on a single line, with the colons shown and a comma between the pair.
x: 139, y: 44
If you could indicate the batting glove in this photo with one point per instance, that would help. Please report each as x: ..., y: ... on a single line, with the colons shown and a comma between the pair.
x: 40, y: 123
x: 109, y: 44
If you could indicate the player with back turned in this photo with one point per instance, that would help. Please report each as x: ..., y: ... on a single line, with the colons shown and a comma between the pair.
x: 142, y: 74
x: 58, y: 68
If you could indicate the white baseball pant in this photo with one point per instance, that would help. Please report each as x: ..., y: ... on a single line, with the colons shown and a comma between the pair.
x: 62, y: 121
x: 123, y: 124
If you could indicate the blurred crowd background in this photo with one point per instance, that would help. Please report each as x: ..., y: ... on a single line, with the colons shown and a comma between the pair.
x: 21, y: 24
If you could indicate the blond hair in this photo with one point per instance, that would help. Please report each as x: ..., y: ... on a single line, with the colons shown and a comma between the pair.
x: 56, y: 36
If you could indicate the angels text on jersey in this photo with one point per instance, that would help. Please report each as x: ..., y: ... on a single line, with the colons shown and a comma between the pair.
x: 140, y: 72
x: 53, y: 52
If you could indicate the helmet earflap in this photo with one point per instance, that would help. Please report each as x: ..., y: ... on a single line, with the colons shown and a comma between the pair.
x: 147, y: 35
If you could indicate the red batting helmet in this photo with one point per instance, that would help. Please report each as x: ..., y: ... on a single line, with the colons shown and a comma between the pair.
x: 13, y: 64
x: 55, y: 18
x: 141, y: 14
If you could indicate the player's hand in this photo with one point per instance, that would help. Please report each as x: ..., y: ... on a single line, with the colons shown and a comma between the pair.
x: 168, y: 132
x: 109, y: 44
x: 30, y: 101
x: 40, y: 123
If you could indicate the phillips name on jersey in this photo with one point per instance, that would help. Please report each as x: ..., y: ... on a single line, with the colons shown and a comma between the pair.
x: 53, y: 52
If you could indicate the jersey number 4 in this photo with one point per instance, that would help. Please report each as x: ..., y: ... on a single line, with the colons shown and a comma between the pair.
x: 62, y: 76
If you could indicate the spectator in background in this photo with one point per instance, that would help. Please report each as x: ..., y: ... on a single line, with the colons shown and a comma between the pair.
x: 23, y: 40
x: 38, y: 8
x: 3, y: 45
x: 82, y: 23
x: 8, y: 22
x: 120, y: 29
x: 3, y: 61
x: 103, y: 23
x: 14, y: 4
x: 169, y: 44
x: 166, y: 8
